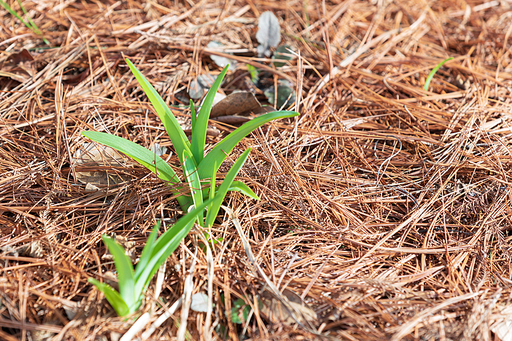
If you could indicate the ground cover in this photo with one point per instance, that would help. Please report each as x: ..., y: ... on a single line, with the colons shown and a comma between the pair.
x: 384, y: 208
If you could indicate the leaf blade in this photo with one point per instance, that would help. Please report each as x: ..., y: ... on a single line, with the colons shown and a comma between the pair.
x: 138, y: 153
x: 214, y: 208
x: 143, y: 156
x: 218, y: 154
x: 201, y: 123
x: 125, y: 273
x: 112, y: 296
x: 176, y: 134
x: 433, y: 72
x: 166, y: 244
x: 239, y: 186
x: 192, y: 177
x: 147, y: 251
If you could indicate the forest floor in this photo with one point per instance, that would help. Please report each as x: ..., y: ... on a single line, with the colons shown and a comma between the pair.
x: 385, y: 208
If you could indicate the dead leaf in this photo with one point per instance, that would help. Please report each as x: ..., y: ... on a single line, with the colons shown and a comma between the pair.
x: 233, y: 120
x: 99, y: 158
x: 20, y: 57
x: 269, y: 33
x: 17, y: 64
x: 236, y: 103
x: 276, y: 312
x: 195, y: 90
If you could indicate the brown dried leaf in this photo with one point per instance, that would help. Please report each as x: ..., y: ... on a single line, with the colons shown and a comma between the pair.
x: 236, y: 103
x: 277, y: 312
x: 99, y: 157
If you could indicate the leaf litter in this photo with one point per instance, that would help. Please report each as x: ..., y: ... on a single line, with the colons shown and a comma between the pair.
x: 385, y: 208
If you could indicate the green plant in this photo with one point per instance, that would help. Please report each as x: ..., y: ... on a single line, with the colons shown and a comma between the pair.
x: 30, y: 24
x: 133, y: 283
x: 433, y: 72
x: 199, y: 169
x: 240, y: 311
x: 281, y: 54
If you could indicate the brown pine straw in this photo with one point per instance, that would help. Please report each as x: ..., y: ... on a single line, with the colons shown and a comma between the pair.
x: 385, y: 208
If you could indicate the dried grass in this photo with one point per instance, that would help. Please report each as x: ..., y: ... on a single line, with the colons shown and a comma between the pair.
x: 386, y: 208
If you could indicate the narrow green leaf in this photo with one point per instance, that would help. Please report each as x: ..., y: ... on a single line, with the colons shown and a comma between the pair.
x: 142, y: 155
x: 239, y: 186
x: 201, y: 124
x: 146, y: 252
x: 112, y: 296
x: 13, y: 13
x: 193, y: 116
x: 166, y: 244
x: 178, y: 137
x: 218, y: 154
x: 30, y: 25
x: 192, y: 177
x: 212, y: 181
x: 433, y: 72
x: 169, y: 236
x: 236, y: 186
x: 124, y: 271
x: 214, y: 208
x: 254, y: 72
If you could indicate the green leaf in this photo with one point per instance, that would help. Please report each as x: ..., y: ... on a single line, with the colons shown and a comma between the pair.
x: 240, y: 307
x: 285, y: 95
x: 166, y: 244
x: 178, y: 137
x: 282, y: 53
x: 234, y: 316
x: 433, y: 72
x: 236, y: 186
x: 254, y: 72
x: 239, y: 186
x: 193, y: 115
x: 201, y: 124
x: 30, y: 25
x: 147, y: 251
x: 112, y: 296
x: 13, y: 13
x: 192, y: 177
x: 212, y: 182
x: 142, y: 155
x: 218, y: 154
x: 124, y: 271
x: 213, y: 210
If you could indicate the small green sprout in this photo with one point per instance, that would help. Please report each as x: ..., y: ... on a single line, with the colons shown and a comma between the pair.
x: 133, y: 283
x: 433, y: 72
x: 240, y: 311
